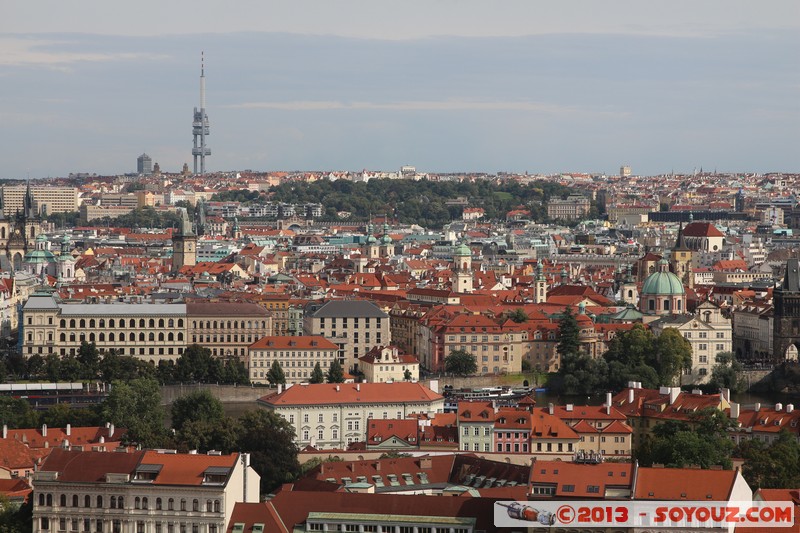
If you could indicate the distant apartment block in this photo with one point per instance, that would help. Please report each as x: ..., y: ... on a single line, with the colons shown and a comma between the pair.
x: 144, y: 165
x: 573, y: 208
x: 47, y: 199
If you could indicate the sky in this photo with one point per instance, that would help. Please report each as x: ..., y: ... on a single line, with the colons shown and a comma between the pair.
x: 446, y: 86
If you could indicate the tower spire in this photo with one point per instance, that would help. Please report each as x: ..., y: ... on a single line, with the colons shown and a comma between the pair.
x: 200, y: 127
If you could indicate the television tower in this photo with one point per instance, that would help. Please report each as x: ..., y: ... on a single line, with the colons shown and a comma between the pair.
x: 200, y: 124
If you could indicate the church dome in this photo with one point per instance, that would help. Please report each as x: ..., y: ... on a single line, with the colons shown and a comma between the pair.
x: 663, y: 282
x: 39, y: 256
x: 462, y: 250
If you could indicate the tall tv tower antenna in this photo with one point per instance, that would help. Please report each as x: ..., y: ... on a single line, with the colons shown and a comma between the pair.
x: 200, y: 124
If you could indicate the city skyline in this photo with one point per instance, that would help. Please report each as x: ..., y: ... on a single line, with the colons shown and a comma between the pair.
x: 524, y: 88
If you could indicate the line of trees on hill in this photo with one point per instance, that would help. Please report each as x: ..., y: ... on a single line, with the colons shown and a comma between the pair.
x: 421, y: 202
x: 195, y: 365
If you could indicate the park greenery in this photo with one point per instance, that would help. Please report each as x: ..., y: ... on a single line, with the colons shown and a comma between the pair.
x: 421, y: 202
x: 335, y: 372
x: 633, y: 355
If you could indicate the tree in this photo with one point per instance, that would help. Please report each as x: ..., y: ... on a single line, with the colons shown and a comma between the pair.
x: 61, y: 414
x: 203, y: 435
x: 673, y: 353
x: 461, y: 363
x: 518, y: 316
x: 703, y: 441
x: 774, y: 466
x: 316, y: 375
x: 335, y: 372
x: 568, y: 335
x: 270, y: 441
x: 275, y: 375
x: 136, y: 406
x: 407, y: 375
x: 198, y: 405
x: 196, y: 364
x: 725, y: 374
x: 89, y: 359
x: 16, y: 518
x: 17, y: 413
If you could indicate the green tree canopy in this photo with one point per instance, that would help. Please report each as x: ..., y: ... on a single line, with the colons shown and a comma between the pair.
x: 197, y: 405
x: 270, y: 441
x: 674, y: 354
x: 335, y: 372
x: 772, y: 466
x: 275, y: 374
x: 702, y: 441
x: 568, y: 335
x: 317, y: 376
x: 461, y: 363
x: 518, y: 316
x: 136, y: 406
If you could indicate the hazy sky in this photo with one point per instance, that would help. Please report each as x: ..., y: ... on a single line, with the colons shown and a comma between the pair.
x: 86, y: 86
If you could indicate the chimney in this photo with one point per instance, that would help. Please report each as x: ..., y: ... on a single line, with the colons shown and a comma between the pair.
x: 608, y: 403
x: 697, y: 392
x: 110, y: 431
x: 757, y: 407
x: 358, y: 387
x: 434, y: 385
x: 280, y: 388
x: 44, y: 430
x: 425, y: 463
x: 551, y: 408
x: 734, y: 410
x: 5, y: 431
x: 570, y: 407
x: 631, y: 384
x: 630, y: 395
x: 673, y: 394
x: 68, y: 430
x: 337, y: 388
x: 789, y: 407
x: 779, y: 407
x: 378, y: 466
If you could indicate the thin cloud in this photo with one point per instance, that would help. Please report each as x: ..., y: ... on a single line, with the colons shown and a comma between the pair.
x: 420, y: 105
x: 45, y: 53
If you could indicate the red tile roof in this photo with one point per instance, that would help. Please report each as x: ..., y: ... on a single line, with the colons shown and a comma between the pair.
x: 684, y: 484
x: 300, y: 342
x: 344, y: 393
x: 184, y: 468
x: 577, y: 478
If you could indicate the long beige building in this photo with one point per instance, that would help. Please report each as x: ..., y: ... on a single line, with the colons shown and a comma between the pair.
x: 333, y: 415
x: 47, y: 199
x: 149, y: 331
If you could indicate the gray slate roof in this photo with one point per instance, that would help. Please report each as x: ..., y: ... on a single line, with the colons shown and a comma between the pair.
x: 349, y: 308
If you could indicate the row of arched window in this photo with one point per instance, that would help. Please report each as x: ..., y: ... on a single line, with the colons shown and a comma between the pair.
x: 118, y: 502
x: 231, y: 324
x: 122, y: 336
x: 122, y: 323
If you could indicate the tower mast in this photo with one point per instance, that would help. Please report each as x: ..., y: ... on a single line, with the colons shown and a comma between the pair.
x: 200, y: 125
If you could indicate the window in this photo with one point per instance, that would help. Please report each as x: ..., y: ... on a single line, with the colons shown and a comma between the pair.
x: 195, y: 505
x: 99, y: 502
x: 171, y: 504
x: 183, y: 505
x: 158, y: 504
x: 63, y: 500
x: 44, y: 523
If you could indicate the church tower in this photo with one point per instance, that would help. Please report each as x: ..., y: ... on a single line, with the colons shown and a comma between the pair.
x: 540, y: 285
x: 184, y: 245
x: 786, y: 315
x: 371, y: 248
x: 681, y: 260
x: 462, y: 268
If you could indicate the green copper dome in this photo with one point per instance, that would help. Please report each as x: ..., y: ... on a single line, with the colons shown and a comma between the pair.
x: 39, y: 256
x: 663, y: 282
x: 462, y: 250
